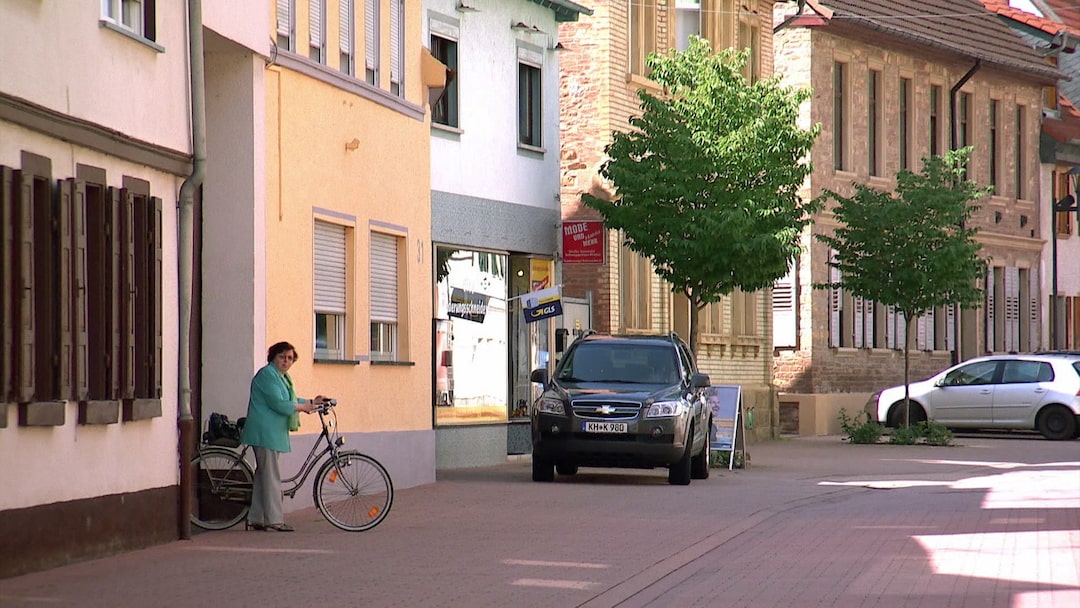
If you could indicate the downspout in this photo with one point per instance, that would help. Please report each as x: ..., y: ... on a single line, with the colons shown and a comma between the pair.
x: 953, y: 143
x: 185, y: 246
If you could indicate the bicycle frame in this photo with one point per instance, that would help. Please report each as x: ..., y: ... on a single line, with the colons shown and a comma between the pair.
x: 297, y: 481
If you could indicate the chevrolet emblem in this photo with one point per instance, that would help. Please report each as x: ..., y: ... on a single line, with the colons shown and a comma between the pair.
x: 605, y: 409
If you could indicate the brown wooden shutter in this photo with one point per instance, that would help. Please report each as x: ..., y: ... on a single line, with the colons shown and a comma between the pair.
x: 65, y: 309
x: 24, y: 286
x: 155, y: 239
x: 80, y: 330
x: 112, y: 231
x: 7, y: 282
x: 127, y: 294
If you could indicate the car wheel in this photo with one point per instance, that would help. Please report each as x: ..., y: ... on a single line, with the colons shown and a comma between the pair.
x: 699, y: 466
x: 566, y: 469
x: 1056, y: 423
x: 895, y: 419
x: 679, y: 472
x: 542, y: 469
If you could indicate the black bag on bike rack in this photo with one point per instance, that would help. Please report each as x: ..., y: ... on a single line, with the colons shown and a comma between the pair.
x: 223, y: 431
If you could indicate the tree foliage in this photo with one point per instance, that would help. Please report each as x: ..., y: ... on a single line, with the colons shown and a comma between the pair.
x: 913, y: 251
x: 706, y: 179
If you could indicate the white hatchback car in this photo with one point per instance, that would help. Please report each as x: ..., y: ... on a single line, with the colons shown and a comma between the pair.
x: 1040, y: 392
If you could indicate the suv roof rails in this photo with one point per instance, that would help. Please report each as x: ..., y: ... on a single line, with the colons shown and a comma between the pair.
x: 587, y: 332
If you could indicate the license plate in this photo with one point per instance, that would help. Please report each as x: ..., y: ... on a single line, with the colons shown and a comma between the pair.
x: 605, y: 427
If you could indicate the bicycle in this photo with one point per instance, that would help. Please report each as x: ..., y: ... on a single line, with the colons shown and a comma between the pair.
x: 352, y: 490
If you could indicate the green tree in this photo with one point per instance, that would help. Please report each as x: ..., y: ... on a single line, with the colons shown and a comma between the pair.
x: 913, y: 251
x: 706, y: 179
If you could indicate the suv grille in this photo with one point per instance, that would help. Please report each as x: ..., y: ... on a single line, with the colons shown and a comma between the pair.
x: 606, y: 410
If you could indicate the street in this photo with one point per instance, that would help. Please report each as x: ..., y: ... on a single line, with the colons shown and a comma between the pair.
x: 992, y: 521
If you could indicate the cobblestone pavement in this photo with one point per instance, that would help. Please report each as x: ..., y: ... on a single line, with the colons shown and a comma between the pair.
x: 993, y: 521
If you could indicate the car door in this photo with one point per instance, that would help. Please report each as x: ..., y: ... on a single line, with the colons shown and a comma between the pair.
x: 965, y: 396
x: 1023, y: 388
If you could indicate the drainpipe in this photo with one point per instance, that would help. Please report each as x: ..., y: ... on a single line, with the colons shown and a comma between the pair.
x: 187, y: 425
x: 953, y: 143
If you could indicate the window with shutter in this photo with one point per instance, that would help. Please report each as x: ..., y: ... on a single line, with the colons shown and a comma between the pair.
x: 331, y: 289
x: 991, y: 325
x: 77, y: 190
x: 127, y: 293
x: 317, y: 30
x: 7, y: 285
x: 286, y: 24
x: 397, y: 47
x: 784, y: 316
x: 371, y: 41
x: 384, y: 296
x: 345, y: 37
x: 836, y: 300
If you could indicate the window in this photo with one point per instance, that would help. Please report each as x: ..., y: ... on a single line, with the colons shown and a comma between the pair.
x: 1011, y: 309
x: 963, y: 130
x: 317, y: 30
x: 995, y: 146
x: 905, y: 123
x: 385, y: 270
x: 1063, y: 220
x: 635, y: 289
x: 371, y: 41
x: 346, y: 61
x: 286, y: 24
x: 80, y: 288
x: 784, y: 303
x: 936, y: 132
x: 397, y: 47
x: 331, y: 289
x: 445, y: 111
x: 718, y: 22
x: 1019, y: 152
x: 712, y: 318
x: 840, y: 132
x: 529, y: 117
x: 750, y: 38
x: 873, y: 119
x: 1050, y: 93
x: 135, y: 16
x: 688, y: 22
x: 642, y: 34
x: 743, y: 313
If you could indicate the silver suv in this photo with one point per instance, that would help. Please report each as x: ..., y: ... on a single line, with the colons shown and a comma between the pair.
x: 623, y: 401
x: 1040, y: 392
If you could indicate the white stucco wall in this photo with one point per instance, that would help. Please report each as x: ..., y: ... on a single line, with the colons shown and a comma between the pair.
x: 58, y: 55
x: 43, y: 465
x: 484, y: 160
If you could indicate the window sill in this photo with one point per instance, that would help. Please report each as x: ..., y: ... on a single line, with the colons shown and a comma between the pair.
x: 330, y: 361
x: 99, y: 412
x: 109, y: 25
x: 141, y: 409
x: 446, y: 129
x: 42, y: 413
x: 643, y: 82
x: 394, y: 363
x: 531, y: 149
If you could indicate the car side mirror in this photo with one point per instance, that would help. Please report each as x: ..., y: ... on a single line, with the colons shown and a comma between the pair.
x: 699, y: 380
x: 539, y: 375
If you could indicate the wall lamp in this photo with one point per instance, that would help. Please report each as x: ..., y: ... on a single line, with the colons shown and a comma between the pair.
x: 465, y: 8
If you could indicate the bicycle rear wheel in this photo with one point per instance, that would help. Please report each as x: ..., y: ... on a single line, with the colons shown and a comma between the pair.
x: 223, y: 482
x: 354, y: 492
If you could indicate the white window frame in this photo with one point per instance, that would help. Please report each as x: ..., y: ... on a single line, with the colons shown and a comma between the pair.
x: 129, y: 15
x: 330, y: 279
x: 533, y: 59
x: 346, y: 37
x: 317, y: 30
x: 285, y: 18
x: 397, y: 47
x: 385, y: 295
x: 372, y: 12
x: 442, y: 28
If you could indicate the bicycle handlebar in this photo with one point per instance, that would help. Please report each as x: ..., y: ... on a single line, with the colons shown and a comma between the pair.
x: 326, y: 406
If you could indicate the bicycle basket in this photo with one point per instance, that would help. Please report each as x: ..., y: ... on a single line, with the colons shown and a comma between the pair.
x: 222, y: 431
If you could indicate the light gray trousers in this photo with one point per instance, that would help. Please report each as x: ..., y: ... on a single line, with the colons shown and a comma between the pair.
x: 266, y: 494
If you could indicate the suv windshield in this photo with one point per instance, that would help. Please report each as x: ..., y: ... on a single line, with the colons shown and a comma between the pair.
x: 604, y: 361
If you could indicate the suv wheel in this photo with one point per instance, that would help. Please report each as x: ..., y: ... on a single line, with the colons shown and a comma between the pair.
x: 543, y: 470
x: 699, y: 466
x: 566, y: 468
x: 679, y: 472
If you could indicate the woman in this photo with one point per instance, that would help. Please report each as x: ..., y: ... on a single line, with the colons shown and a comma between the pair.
x: 272, y: 403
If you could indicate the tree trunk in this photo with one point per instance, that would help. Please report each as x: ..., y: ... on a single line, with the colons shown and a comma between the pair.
x: 907, y: 368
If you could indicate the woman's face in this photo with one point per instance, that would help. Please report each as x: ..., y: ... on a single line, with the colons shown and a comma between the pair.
x: 284, y: 360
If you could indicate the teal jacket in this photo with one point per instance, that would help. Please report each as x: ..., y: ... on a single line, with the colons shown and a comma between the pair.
x: 271, y: 403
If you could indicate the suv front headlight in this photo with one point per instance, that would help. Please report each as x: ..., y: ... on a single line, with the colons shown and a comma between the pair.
x: 667, y: 409
x: 547, y: 405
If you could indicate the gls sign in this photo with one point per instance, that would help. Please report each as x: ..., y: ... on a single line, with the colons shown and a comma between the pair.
x: 542, y: 304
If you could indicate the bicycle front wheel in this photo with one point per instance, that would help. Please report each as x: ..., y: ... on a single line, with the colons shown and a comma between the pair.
x: 353, y: 492
x: 223, y: 483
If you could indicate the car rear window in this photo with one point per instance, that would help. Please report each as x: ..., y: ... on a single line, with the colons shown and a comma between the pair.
x: 1027, y: 371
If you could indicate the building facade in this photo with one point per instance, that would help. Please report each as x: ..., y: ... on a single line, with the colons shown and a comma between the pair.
x: 889, y: 92
x: 94, y: 146
x: 494, y: 217
x: 602, y: 70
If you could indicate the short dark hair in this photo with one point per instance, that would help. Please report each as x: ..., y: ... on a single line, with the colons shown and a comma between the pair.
x: 277, y: 349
